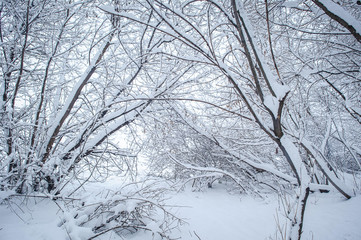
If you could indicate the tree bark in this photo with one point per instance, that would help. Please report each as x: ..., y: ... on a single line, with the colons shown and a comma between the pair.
x: 338, y: 18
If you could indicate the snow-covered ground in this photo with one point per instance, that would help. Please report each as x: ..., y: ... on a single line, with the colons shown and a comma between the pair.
x: 37, y: 220
x: 215, y: 214
x: 210, y: 215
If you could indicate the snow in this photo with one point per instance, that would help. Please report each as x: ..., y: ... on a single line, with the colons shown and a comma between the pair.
x: 248, y: 159
x: 280, y: 90
x: 323, y: 165
x: 74, y: 92
x: 212, y: 215
x: 216, y: 214
x: 331, y: 217
x: 342, y: 13
x: 272, y: 104
x: 2, y: 89
x: 296, y: 159
x: 37, y: 220
x: 291, y: 4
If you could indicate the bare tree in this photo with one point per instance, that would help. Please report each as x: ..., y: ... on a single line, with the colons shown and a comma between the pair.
x: 259, y: 92
x: 229, y: 48
x: 70, y: 79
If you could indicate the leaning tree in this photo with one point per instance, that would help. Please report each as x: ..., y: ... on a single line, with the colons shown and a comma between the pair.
x: 274, y: 85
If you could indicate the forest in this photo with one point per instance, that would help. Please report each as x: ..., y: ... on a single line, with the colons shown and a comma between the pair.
x: 114, y: 114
